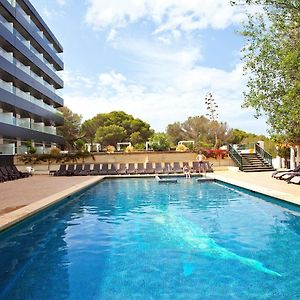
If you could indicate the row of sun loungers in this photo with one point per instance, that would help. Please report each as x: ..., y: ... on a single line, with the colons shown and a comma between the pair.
x: 8, y: 173
x: 131, y: 169
x: 290, y: 176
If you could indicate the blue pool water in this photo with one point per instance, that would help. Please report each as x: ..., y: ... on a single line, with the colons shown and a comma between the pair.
x: 137, y: 239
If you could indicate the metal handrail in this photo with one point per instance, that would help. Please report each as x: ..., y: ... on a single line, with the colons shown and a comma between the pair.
x: 267, y: 157
x: 234, y: 155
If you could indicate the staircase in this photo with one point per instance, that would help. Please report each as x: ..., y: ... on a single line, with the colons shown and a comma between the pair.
x: 253, y: 162
x: 260, y: 161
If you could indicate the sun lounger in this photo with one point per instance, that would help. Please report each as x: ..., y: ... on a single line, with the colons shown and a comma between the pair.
x: 168, y: 168
x: 208, y: 167
x: 278, y: 174
x: 112, y: 170
x: 62, y: 171
x: 6, y: 175
x: 86, y: 170
x: 22, y: 174
x: 122, y: 169
x: 70, y: 171
x: 77, y: 170
x: 140, y: 169
x: 295, y: 179
x: 1, y: 177
x: 149, y: 168
x: 177, y: 168
x: 196, y: 167
x: 104, y: 169
x: 131, y: 169
x: 96, y: 170
x: 158, y: 168
x: 13, y: 174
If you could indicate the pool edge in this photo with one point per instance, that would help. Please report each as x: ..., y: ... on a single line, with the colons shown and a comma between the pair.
x: 289, y: 198
x: 16, y: 216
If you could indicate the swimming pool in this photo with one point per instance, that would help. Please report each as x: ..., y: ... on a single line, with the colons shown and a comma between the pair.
x: 137, y: 239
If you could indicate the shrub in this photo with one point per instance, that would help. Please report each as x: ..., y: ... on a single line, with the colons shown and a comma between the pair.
x: 139, y: 147
x: 181, y: 148
x: 110, y: 149
x: 54, y: 151
x: 129, y: 149
x: 215, y: 153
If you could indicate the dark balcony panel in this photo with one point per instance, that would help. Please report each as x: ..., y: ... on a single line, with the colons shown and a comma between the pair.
x: 57, y: 62
x: 12, y: 131
x: 34, y: 13
x: 24, y: 81
x: 8, y: 40
x: 26, y: 29
x: 26, y: 109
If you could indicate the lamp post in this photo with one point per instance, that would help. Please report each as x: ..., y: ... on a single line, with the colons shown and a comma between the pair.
x: 212, y: 114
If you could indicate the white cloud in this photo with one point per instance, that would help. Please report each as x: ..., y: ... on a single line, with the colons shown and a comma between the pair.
x: 168, y: 103
x: 168, y: 15
x: 61, y: 2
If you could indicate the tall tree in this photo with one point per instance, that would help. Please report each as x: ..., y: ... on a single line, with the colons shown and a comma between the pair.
x: 71, y: 127
x: 199, y: 129
x: 110, y: 135
x: 272, y: 55
x: 136, y: 131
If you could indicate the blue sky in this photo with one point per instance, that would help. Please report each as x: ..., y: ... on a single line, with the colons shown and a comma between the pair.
x: 153, y: 59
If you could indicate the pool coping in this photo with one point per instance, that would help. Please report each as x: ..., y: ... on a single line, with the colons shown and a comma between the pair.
x: 16, y: 216
x: 282, y: 196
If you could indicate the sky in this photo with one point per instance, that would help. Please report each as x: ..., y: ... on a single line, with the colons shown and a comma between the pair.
x: 154, y: 59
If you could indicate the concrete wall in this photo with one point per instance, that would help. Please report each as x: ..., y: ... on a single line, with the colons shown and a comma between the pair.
x: 136, y: 157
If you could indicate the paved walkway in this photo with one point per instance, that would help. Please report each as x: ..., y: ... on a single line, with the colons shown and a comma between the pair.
x: 262, y: 182
x: 21, y: 192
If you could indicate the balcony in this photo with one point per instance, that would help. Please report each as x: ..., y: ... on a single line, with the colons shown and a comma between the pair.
x: 10, y: 58
x: 8, y: 118
x: 27, y: 43
x: 8, y: 86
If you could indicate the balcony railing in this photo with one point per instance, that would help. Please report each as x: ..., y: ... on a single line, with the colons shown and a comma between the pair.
x: 25, y: 42
x: 39, y: 32
x: 8, y: 86
x: 8, y: 118
x: 9, y: 56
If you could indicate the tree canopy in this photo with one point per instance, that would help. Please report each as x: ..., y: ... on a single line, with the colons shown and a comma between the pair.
x: 116, y: 126
x: 71, y: 127
x: 272, y: 56
x: 199, y: 129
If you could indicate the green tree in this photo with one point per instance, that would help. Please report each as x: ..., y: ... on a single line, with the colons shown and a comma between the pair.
x: 199, y: 129
x: 137, y: 131
x: 272, y: 55
x: 237, y: 136
x: 159, y: 142
x: 88, y: 131
x: 110, y: 135
x: 175, y: 133
x: 71, y: 127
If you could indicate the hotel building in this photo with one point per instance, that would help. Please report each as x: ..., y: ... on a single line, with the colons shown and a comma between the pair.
x: 30, y: 58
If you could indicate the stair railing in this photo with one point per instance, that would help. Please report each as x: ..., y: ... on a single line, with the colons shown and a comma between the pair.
x: 264, y: 154
x: 235, y: 156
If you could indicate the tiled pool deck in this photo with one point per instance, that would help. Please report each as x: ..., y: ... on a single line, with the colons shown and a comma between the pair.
x: 22, y: 198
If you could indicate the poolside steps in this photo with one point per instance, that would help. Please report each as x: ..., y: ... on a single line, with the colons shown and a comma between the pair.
x: 252, y: 162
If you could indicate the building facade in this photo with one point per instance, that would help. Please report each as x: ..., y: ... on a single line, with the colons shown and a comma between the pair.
x: 30, y: 60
